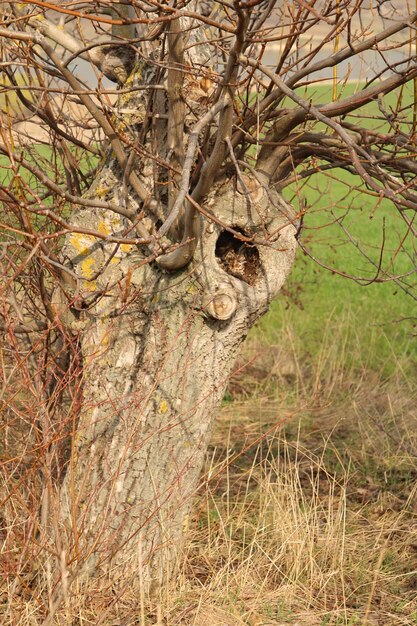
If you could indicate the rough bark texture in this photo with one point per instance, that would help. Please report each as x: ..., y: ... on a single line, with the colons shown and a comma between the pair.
x: 158, y: 349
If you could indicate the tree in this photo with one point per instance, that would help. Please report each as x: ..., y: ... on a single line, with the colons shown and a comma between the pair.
x: 147, y: 232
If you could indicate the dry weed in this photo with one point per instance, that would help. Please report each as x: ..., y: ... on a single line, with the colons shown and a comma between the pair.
x: 306, y: 514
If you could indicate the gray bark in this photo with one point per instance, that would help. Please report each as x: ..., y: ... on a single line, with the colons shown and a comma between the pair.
x: 158, y: 349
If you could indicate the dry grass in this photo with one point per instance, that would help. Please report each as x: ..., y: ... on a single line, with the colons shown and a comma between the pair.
x: 306, y: 514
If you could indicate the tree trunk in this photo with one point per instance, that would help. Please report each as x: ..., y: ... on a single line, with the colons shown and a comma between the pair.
x: 158, y: 347
x: 158, y: 350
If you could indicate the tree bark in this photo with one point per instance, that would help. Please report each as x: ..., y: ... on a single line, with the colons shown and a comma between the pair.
x: 158, y: 350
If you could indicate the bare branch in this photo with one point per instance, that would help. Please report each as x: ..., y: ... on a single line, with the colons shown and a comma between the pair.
x: 106, y: 126
x: 62, y: 37
x: 176, y: 110
x: 184, y: 254
x: 210, y: 168
x: 352, y: 50
x: 354, y: 149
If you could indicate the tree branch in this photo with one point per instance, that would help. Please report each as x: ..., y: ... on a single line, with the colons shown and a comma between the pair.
x: 179, y: 258
x: 353, y: 149
x: 176, y: 113
x: 67, y: 41
x: 352, y: 50
x: 183, y: 255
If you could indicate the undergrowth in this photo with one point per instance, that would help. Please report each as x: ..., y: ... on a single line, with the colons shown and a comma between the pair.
x: 306, y: 512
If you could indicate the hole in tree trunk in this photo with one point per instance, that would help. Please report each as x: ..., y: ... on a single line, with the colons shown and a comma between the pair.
x: 238, y: 258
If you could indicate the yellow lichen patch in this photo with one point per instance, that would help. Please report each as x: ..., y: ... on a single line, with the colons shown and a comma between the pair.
x: 81, y: 242
x: 91, y: 285
x: 163, y: 407
x: 126, y: 247
x: 101, y: 191
x: 115, y: 223
x: 103, y: 227
x: 87, y: 267
x: 129, y: 80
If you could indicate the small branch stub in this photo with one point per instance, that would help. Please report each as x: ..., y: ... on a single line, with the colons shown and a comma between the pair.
x: 221, y: 304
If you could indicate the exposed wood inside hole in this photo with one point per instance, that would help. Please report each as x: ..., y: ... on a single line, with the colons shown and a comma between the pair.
x: 238, y: 258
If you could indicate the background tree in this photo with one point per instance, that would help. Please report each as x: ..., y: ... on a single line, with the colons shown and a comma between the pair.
x: 145, y: 231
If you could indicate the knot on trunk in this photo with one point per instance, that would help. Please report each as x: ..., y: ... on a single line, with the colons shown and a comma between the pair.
x: 221, y: 302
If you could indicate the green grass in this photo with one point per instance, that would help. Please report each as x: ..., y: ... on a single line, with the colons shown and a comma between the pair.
x: 350, y: 231
x: 370, y: 116
x: 51, y: 161
x: 380, y: 315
